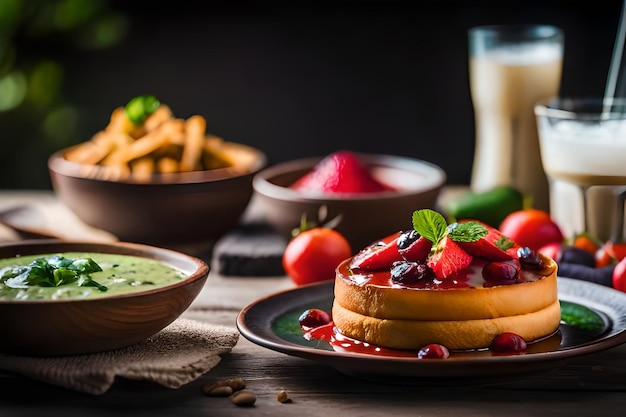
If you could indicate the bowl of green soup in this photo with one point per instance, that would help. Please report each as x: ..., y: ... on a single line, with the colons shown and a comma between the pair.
x: 68, y: 298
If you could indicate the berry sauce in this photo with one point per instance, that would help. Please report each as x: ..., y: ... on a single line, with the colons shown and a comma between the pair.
x: 506, y: 344
x: 470, y: 277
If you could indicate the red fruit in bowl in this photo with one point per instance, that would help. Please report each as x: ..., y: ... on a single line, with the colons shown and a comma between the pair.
x: 340, y: 172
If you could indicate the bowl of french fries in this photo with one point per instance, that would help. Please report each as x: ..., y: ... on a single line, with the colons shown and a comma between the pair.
x: 151, y: 177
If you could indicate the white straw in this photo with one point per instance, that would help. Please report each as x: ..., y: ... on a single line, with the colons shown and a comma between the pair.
x: 615, y: 68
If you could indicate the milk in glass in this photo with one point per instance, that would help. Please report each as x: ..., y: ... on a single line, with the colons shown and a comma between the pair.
x: 584, y: 153
x: 505, y: 82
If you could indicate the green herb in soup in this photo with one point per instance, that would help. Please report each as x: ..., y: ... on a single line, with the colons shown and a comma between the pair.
x: 81, y: 275
x: 53, y: 271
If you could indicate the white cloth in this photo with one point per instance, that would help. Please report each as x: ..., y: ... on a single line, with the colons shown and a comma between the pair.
x: 177, y: 355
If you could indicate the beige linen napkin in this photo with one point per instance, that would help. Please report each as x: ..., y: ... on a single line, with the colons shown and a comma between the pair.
x: 179, y: 354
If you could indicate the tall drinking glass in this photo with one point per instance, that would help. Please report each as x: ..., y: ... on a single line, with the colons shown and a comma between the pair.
x: 510, y: 69
x: 583, y: 149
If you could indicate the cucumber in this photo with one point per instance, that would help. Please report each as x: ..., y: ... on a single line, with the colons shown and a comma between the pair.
x: 490, y: 206
x: 581, y: 317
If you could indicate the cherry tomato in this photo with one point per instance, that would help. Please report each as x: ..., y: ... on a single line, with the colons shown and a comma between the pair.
x: 314, y: 254
x: 619, y: 276
x: 587, y: 242
x: 610, y: 253
x: 616, y: 250
x: 603, y: 258
x: 531, y: 227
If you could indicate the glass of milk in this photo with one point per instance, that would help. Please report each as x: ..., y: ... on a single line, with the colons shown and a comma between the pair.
x: 583, y: 149
x: 510, y: 69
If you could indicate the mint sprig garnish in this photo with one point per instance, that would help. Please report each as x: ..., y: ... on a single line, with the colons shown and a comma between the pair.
x: 433, y: 226
x: 430, y: 224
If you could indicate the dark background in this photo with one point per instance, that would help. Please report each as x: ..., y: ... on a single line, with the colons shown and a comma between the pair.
x: 306, y: 78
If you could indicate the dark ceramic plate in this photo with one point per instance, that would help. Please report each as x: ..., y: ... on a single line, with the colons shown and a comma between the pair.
x: 594, y: 319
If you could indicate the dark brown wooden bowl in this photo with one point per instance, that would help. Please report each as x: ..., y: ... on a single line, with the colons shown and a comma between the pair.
x: 364, y: 217
x: 77, y: 326
x: 171, y: 209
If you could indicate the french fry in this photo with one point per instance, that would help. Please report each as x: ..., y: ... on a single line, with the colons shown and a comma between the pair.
x: 214, y: 154
x: 171, y: 151
x: 213, y: 143
x: 167, y: 165
x: 215, y: 160
x: 86, y: 153
x: 162, y: 144
x: 142, y: 168
x: 160, y: 115
x: 175, y: 131
x: 119, y: 122
x: 114, y: 172
x: 91, y: 152
x: 195, y: 127
x: 140, y: 147
x: 120, y: 140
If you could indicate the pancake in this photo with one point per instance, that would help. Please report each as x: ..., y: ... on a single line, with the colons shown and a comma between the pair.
x: 460, y: 313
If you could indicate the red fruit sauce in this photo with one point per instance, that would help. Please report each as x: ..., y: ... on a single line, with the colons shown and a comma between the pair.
x: 340, y: 343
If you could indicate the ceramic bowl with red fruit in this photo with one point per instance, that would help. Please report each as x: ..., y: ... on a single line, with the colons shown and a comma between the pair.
x: 364, y: 196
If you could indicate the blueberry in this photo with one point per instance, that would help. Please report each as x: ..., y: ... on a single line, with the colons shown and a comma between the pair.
x: 408, y: 273
x: 529, y: 257
x: 406, y: 238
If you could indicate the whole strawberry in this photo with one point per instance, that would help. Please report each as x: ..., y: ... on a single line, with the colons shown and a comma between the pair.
x: 340, y: 172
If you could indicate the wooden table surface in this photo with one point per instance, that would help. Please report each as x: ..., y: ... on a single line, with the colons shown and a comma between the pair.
x: 585, y: 386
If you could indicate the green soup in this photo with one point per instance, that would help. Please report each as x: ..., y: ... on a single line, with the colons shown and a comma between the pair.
x: 81, y: 275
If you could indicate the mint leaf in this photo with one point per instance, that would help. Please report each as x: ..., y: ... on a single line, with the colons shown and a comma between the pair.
x: 504, y: 243
x: 430, y: 224
x: 466, y: 232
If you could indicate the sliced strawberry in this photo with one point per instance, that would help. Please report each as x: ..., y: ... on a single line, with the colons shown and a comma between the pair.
x: 418, y: 250
x: 379, y: 255
x: 340, y: 172
x: 492, y: 247
x: 448, y: 258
